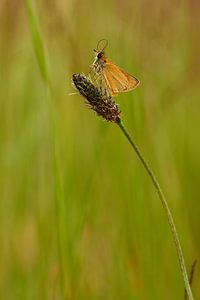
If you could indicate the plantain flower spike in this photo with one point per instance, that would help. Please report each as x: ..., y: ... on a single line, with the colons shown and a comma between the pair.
x: 98, y: 98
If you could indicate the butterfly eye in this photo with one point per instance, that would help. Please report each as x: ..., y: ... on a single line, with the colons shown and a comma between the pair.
x: 99, y: 55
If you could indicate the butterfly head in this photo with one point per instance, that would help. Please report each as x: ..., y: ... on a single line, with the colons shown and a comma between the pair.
x: 99, y: 54
x: 99, y: 57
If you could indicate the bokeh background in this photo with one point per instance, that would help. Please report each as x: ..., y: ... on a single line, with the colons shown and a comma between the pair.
x: 79, y: 218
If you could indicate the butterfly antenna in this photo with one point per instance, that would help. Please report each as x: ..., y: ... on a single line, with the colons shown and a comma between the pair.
x: 99, y: 42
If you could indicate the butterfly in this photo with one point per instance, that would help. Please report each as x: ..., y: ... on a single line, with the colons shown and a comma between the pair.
x: 116, y: 79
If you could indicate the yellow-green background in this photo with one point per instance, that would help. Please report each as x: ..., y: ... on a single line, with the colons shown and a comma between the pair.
x: 79, y: 218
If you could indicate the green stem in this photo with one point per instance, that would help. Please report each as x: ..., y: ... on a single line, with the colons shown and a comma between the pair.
x: 44, y: 70
x: 166, y: 209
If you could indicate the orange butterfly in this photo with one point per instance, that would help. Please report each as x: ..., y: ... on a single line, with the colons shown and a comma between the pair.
x: 116, y: 79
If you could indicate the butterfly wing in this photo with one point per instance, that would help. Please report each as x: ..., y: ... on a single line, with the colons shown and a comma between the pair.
x: 117, y: 79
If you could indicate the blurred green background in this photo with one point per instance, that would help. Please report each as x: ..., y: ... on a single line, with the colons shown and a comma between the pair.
x: 79, y: 218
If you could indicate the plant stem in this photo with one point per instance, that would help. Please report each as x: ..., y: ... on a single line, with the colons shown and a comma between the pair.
x: 44, y: 70
x: 165, y: 206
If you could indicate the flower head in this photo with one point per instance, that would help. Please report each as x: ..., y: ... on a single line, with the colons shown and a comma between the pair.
x: 98, y: 98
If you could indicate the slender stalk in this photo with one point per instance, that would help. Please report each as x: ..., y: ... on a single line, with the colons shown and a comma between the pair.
x: 44, y: 70
x: 191, y: 277
x: 165, y: 206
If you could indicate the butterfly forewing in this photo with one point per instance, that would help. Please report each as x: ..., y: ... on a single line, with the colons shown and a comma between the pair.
x: 117, y: 79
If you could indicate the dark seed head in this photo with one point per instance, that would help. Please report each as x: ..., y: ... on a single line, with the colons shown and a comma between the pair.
x: 98, y: 98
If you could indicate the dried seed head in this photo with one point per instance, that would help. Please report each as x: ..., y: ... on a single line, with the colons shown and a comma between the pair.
x: 98, y: 98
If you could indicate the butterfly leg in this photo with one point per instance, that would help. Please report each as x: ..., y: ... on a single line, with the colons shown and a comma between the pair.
x: 93, y: 73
